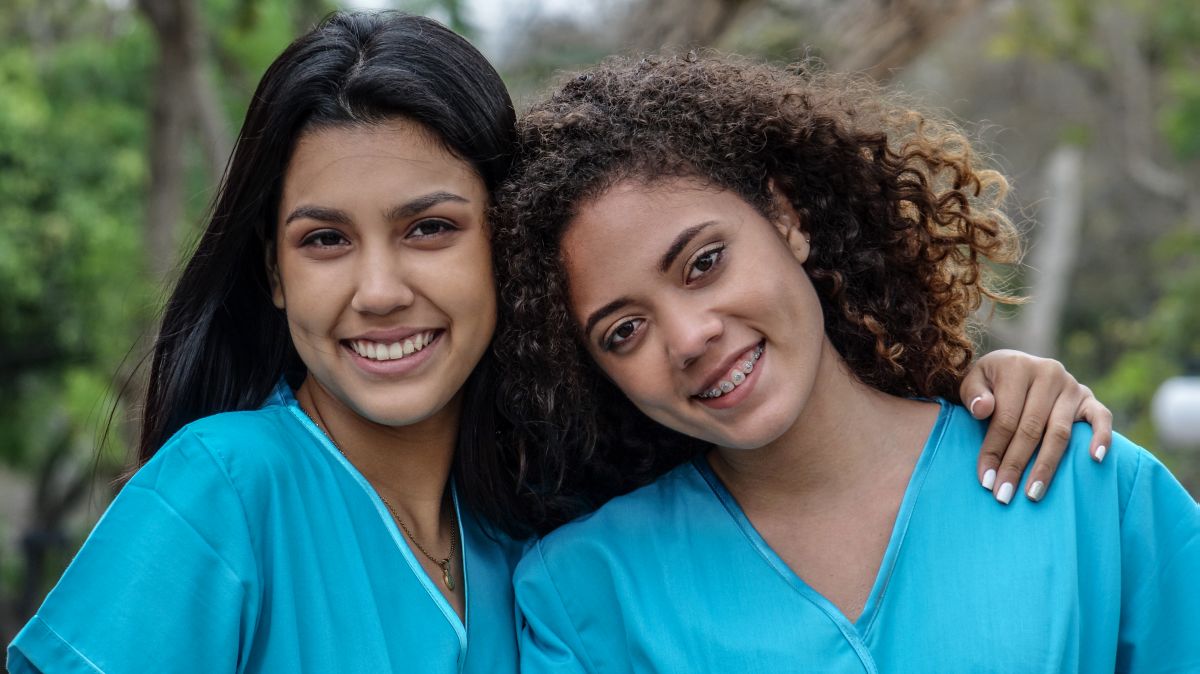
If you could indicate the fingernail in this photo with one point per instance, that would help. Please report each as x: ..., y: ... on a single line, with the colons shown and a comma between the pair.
x: 1100, y: 452
x: 1037, y: 490
x: 971, y: 407
x: 989, y: 479
x: 1006, y: 492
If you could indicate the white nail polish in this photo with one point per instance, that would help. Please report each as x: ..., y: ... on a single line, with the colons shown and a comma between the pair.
x: 1100, y: 452
x: 1037, y: 490
x: 1006, y: 493
x: 971, y: 406
x: 989, y: 479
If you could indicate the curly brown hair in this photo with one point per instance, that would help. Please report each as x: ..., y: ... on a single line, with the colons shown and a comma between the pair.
x: 903, y: 219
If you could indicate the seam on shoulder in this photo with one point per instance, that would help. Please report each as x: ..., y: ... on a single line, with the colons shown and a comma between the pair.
x: 1137, y: 475
x: 220, y: 464
x: 559, y: 595
x: 167, y: 504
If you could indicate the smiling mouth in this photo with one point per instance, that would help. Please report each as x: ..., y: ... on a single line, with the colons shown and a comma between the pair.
x: 736, y: 376
x: 385, y: 351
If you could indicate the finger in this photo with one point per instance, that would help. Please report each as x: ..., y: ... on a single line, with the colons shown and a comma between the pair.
x: 1054, y: 442
x: 1095, y: 413
x: 976, y: 392
x: 1006, y: 403
x: 1030, y: 428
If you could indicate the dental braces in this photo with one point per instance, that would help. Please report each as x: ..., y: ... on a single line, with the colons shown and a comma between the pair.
x: 736, y: 378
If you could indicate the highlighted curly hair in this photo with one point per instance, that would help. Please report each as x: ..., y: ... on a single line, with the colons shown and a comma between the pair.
x: 903, y: 219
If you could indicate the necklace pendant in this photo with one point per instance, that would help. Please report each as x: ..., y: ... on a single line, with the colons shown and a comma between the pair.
x: 446, y: 576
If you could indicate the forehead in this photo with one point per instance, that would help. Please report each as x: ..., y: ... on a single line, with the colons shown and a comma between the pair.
x: 614, y: 246
x: 639, y: 220
x: 396, y: 156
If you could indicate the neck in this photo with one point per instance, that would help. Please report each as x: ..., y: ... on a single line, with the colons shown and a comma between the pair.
x: 848, y: 436
x: 409, y: 466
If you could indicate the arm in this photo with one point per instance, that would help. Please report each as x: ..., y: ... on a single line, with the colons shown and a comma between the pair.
x: 1030, y: 400
x: 165, y: 582
x: 1160, y: 573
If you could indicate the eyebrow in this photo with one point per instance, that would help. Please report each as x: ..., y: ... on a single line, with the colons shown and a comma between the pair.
x: 603, y: 312
x: 685, y: 237
x: 399, y: 212
x: 319, y: 213
x: 422, y: 203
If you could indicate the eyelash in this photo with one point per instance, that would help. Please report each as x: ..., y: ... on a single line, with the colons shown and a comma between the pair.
x: 610, y: 341
x: 320, y: 238
x: 445, y: 226
x: 314, y: 238
x: 715, y: 253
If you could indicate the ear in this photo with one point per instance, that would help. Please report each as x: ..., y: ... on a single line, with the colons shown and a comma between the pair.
x: 272, y: 265
x: 787, y: 223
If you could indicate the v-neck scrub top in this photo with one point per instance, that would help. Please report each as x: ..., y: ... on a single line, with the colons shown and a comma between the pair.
x: 250, y: 544
x: 1103, y: 575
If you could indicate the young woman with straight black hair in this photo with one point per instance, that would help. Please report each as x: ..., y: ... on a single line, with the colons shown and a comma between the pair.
x: 303, y: 436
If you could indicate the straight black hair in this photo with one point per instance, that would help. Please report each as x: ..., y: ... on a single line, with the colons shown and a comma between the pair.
x: 223, y: 345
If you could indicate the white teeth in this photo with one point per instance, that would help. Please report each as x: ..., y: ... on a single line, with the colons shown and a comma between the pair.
x: 393, y: 351
x: 737, y: 375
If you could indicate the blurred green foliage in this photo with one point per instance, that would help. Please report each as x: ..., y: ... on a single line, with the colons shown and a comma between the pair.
x: 72, y: 134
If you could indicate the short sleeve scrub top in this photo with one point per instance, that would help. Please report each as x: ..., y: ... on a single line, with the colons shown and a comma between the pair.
x: 250, y: 544
x: 1103, y: 575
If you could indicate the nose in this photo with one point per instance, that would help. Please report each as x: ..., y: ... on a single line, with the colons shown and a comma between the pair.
x: 688, y: 333
x: 383, y: 286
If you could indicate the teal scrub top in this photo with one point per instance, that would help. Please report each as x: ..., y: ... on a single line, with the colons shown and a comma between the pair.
x: 1103, y: 575
x: 250, y: 544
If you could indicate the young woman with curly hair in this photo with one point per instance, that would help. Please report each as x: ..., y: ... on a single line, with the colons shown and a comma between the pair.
x: 767, y: 275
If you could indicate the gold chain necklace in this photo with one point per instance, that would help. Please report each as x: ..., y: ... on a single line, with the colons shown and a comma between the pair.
x: 443, y: 564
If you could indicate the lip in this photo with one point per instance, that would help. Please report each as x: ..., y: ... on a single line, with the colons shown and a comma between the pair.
x: 391, y: 334
x: 722, y: 372
x: 392, y: 368
x: 742, y: 391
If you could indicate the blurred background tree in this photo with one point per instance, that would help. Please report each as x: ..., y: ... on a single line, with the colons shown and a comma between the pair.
x: 116, y: 119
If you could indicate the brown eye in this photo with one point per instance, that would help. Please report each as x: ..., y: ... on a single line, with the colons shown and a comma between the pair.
x: 324, y: 238
x: 704, y: 262
x: 624, y: 331
x: 429, y: 228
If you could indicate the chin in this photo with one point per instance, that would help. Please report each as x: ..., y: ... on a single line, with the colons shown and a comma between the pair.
x: 752, y: 431
x: 396, y: 409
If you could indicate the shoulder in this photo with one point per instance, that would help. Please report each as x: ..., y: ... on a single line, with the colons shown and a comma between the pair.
x: 1122, y: 460
x: 245, y: 447
x: 624, y: 522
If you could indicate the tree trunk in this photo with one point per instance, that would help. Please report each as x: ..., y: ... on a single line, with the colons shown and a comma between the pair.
x: 680, y: 24
x: 878, y: 37
x: 185, y: 99
x: 174, y: 25
x: 1051, y: 260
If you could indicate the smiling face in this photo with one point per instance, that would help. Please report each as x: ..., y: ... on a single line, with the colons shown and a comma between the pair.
x: 697, y: 308
x: 383, y: 267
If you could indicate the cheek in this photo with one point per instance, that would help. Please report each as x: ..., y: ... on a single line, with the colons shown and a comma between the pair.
x: 312, y: 294
x: 645, y: 381
x: 469, y: 293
